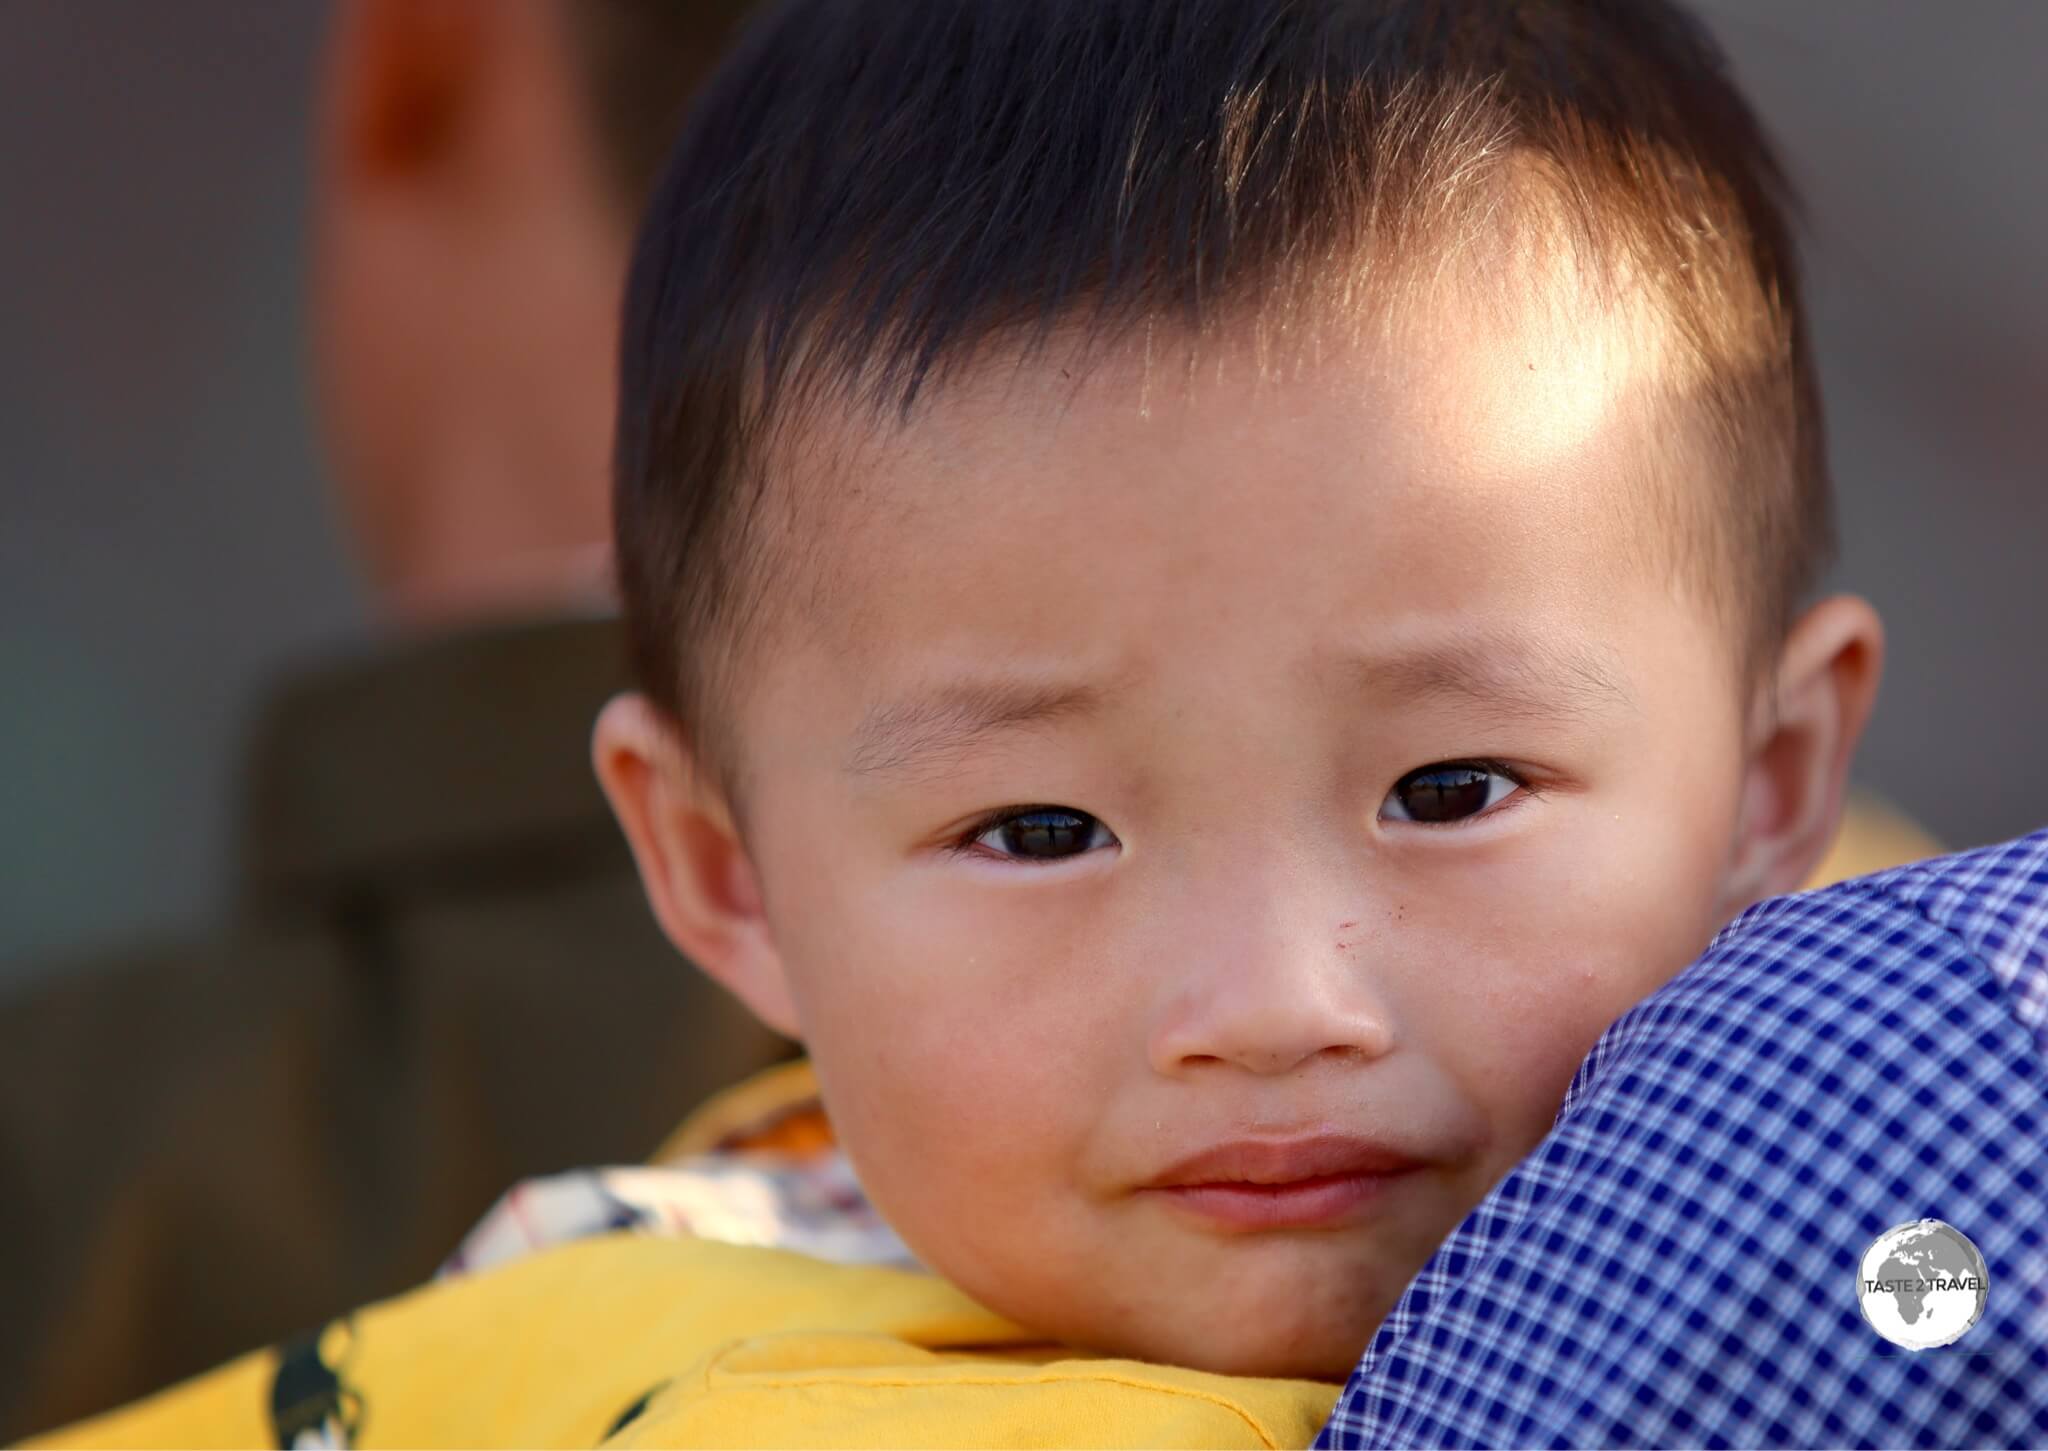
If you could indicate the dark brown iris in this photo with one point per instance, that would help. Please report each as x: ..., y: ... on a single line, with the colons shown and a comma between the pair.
x: 1444, y: 793
x: 1047, y: 835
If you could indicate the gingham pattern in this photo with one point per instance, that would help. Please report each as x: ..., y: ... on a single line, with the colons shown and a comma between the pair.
x: 1675, y: 1264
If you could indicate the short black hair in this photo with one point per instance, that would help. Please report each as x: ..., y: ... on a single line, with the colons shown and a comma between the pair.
x: 870, y: 190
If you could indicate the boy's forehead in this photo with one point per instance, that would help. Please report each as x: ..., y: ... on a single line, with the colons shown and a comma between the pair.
x: 1507, y: 342
x: 1513, y: 401
x: 1054, y: 520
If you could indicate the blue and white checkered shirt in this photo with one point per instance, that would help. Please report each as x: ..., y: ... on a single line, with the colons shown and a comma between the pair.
x: 1676, y: 1263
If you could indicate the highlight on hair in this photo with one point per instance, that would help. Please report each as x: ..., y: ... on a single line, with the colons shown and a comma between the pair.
x: 872, y: 193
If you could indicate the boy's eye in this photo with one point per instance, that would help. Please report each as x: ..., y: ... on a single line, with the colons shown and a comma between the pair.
x: 1042, y: 834
x: 1448, y: 792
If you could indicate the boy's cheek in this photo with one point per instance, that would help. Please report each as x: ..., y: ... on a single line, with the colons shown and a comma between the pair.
x: 1584, y: 991
x: 919, y: 1065
x: 1513, y: 1025
x: 955, y: 1136
x: 927, y: 978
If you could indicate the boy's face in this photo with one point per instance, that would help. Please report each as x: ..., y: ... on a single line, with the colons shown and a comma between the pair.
x: 1362, y: 765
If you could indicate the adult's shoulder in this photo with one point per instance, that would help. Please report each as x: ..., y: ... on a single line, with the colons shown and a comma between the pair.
x: 1995, y: 901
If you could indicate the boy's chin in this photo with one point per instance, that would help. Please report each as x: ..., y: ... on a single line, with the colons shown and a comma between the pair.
x: 1320, y: 1357
x: 1227, y: 1341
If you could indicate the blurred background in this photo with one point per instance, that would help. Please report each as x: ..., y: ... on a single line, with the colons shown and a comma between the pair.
x: 157, y: 465
x: 157, y: 469
x: 160, y: 470
x: 299, y: 842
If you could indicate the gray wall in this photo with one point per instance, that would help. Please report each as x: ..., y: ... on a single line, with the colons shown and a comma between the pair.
x: 1918, y: 136
x: 165, y: 538
x: 164, y: 534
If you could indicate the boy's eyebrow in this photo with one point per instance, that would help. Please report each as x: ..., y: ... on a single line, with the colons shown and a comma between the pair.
x: 1505, y: 674
x: 947, y: 722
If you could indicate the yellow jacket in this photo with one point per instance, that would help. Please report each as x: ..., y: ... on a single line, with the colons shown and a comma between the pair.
x: 716, y: 1345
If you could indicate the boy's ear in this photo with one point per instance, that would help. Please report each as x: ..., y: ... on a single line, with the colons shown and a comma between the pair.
x: 1803, y: 732
x: 696, y: 872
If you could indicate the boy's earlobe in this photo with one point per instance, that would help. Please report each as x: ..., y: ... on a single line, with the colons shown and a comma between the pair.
x: 1802, y: 742
x: 698, y: 877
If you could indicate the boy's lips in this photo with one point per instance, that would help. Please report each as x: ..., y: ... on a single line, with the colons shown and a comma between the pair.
x: 1304, y: 1183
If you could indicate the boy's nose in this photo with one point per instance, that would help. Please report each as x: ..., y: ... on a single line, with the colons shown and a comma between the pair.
x: 1269, y: 1006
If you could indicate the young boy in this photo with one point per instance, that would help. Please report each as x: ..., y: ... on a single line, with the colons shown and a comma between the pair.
x: 1220, y: 586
